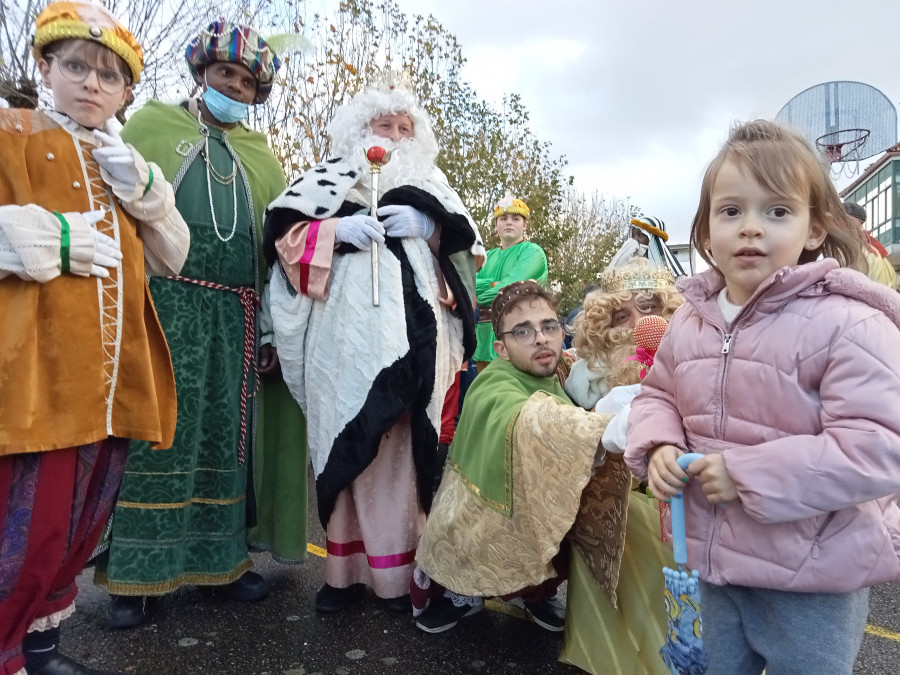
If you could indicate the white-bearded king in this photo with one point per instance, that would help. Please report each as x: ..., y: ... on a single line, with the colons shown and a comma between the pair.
x: 372, y: 379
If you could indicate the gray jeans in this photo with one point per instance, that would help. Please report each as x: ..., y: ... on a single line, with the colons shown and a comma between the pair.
x: 746, y: 630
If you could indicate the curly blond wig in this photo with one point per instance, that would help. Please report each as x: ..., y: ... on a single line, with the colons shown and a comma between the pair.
x: 605, y: 347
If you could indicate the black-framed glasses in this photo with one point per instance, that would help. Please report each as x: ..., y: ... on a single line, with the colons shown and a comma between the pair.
x: 74, y: 70
x: 525, y: 335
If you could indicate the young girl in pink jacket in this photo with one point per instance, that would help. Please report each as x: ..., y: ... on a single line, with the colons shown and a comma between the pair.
x: 783, y: 370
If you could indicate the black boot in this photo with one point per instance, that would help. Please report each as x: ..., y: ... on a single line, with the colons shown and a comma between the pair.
x: 39, y: 647
x: 249, y: 587
x: 330, y: 600
x: 42, y: 657
x: 126, y: 611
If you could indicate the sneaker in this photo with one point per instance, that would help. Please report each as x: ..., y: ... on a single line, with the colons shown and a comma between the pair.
x: 330, y: 600
x: 548, y: 614
x: 442, y: 615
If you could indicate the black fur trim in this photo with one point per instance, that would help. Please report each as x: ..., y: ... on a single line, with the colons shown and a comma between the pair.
x: 404, y: 387
x: 456, y: 236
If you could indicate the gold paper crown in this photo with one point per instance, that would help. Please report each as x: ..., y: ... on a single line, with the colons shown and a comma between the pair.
x: 514, y: 206
x: 63, y: 21
x: 633, y: 277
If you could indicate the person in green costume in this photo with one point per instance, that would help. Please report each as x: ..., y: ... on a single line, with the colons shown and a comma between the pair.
x: 512, y: 486
x: 186, y: 516
x: 515, y: 260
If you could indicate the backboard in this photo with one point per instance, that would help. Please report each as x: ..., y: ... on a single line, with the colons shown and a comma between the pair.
x: 847, y: 121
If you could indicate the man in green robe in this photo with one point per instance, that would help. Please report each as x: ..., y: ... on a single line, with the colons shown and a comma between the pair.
x: 187, y: 515
x: 512, y: 486
x: 515, y: 260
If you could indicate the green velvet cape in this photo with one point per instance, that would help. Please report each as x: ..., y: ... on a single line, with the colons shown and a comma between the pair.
x: 485, y: 429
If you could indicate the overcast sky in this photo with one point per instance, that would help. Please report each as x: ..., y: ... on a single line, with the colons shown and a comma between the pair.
x: 639, y: 96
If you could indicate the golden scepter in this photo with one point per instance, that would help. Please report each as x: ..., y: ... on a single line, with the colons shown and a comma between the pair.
x: 377, y: 157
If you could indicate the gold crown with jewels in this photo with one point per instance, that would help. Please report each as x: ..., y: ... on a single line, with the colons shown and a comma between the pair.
x: 637, y: 275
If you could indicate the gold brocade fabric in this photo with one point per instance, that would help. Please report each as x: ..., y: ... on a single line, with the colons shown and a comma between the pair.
x: 476, y: 550
x: 624, y: 639
x: 599, y: 530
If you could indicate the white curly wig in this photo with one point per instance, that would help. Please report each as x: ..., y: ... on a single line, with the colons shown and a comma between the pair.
x: 350, y: 126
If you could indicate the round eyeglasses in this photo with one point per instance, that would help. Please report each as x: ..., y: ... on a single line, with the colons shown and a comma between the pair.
x: 525, y: 335
x: 109, y: 80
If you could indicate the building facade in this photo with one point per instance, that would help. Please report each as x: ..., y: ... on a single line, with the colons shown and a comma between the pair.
x: 878, y: 191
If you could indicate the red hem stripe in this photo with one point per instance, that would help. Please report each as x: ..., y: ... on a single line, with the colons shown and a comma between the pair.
x: 378, y: 562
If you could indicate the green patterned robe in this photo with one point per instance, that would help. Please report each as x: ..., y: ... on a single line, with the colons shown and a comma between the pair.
x: 181, y: 517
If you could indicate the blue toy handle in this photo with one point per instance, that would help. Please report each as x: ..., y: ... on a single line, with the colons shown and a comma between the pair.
x: 679, y: 537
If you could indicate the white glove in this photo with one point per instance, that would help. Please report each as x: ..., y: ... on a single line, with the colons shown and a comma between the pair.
x: 30, y: 244
x: 91, y: 255
x: 616, y: 431
x: 107, y: 252
x: 405, y: 221
x: 359, y: 230
x: 617, y: 398
x: 117, y: 165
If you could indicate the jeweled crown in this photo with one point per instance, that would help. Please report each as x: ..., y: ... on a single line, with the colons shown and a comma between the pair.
x: 385, y: 79
x: 636, y: 278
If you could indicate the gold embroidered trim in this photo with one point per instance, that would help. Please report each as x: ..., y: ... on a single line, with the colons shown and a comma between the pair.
x: 173, y: 584
x: 181, y: 505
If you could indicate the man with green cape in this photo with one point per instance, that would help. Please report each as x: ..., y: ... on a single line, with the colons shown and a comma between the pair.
x: 187, y: 515
x: 512, y: 486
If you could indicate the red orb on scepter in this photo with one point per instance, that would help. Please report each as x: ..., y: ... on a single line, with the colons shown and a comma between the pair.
x: 376, y: 154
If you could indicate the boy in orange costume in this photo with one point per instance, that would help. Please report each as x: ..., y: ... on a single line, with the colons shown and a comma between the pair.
x: 83, y: 362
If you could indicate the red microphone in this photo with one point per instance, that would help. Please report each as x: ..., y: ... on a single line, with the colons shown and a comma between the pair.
x: 648, y: 333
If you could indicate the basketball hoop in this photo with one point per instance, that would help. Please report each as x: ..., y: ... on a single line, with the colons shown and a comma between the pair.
x: 843, y: 147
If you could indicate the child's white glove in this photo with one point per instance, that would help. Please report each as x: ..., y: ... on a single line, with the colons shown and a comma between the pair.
x: 405, y: 221
x: 118, y: 165
x: 616, y: 431
x: 360, y: 231
x: 106, y: 251
x: 91, y: 255
x: 32, y: 245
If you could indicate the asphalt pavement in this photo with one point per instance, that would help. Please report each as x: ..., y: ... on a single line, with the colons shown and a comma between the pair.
x: 200, y: 631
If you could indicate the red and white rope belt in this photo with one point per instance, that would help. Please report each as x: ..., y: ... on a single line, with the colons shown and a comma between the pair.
x: 249, y: 302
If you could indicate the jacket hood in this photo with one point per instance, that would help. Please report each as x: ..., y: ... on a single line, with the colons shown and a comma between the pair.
x: 819, y: 278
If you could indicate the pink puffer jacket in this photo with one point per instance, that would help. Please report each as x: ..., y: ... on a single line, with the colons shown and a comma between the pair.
x: 802, y: 397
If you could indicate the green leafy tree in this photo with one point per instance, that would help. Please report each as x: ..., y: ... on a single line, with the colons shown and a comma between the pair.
x: 485, y: 152
x: 591, y: 229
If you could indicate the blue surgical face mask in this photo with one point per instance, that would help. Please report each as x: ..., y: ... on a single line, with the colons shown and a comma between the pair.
x: 224, y: 109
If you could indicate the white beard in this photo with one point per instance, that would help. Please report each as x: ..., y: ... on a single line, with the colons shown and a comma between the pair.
x: 409, y: 164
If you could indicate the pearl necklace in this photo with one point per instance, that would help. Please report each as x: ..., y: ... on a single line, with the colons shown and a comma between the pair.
x: 223, y: 180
